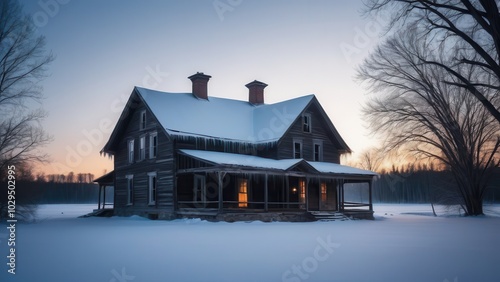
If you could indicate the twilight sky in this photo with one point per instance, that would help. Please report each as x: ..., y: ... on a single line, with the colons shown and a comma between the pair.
x: 104, y: 48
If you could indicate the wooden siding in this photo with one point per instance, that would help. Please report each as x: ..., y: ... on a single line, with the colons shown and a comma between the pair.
x: 163, y: 165
x: 320, y: 131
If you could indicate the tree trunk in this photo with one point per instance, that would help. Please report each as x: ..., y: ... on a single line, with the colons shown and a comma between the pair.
x: 474, y: 206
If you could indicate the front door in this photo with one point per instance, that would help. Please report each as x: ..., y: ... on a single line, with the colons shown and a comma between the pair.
x: 313, y: 197
x: 199, y: 191
x: 327, y: 196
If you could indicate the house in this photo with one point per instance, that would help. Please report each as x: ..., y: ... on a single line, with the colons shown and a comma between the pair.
x: 188, y: 154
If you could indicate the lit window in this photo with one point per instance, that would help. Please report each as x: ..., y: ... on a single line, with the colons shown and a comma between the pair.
x: 152, y: 187
x: 302, y: 187
x: 297, y: 150
x: 306, y: 123
x: 130, y: 151
x: 142, y: 148
x: 153, y: 143
x: 243, y: 193
x: 323, y: 192
x: 142, y: 125
x: 130, y: 189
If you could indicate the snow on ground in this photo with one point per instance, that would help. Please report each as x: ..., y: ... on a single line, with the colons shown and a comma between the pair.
x: 404, y: 243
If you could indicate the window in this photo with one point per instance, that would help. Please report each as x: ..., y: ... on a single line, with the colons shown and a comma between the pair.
x: 297, y: 149
x: 153, y: 143
x: 142, y: 125
x: 323, y: 192
x: 130, y: 189
x: 130, y: 151
x: 152, y: 187
x: 243, y: 193
x: 199, y: 189
x: 318, y: 150
x: 302, y: 189
x: 306, y: 123
x: 142, y: 148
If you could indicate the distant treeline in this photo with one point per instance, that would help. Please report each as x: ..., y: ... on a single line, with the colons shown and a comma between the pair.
x: 26, y: 173
x: 58, y: 178
x: 29, y: 192
x: 425, y: 186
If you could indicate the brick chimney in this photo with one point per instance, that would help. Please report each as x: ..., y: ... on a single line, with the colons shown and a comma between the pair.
x: 200, y: 82
x: 256, y: 92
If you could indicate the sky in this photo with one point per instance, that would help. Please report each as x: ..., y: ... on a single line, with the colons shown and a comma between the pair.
x: 105, y: 48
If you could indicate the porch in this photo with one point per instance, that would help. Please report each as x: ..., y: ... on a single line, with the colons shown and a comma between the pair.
x: 106, y: 181
x: 253, y: 186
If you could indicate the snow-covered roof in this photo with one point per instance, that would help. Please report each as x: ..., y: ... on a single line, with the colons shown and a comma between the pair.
x: 265, y: 163
x: 339, y: 169
x: 184, y: 114
x: 241, y: 160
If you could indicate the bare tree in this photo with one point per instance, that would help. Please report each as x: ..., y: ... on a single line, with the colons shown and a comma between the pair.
x: 371, y: 159
x: 474, y: 25
x: 23, y: 62
x: 25, y: 172
x: 70, y: 178
x: 421, y: 113
x: 40, y: 177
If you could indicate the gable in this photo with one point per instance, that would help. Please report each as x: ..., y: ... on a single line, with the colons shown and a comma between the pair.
x: 129, y: 122
x: 322, y: 129
x: 325, y: 123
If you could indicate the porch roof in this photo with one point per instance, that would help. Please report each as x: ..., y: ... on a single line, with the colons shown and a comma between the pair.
x: 324, y: 167
x: 230, y: 159
x: 220, y: 158
x: 108, y: 179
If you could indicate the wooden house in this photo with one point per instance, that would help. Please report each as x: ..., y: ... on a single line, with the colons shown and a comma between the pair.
x: 188, y: 154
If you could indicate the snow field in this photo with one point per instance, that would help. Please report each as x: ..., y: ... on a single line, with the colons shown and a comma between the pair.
x: 404, y: 243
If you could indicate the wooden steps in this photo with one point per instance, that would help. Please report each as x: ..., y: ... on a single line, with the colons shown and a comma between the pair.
x: 329, y: 216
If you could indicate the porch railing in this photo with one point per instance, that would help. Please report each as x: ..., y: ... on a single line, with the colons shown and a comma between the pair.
x: 354, y: 205
x: 251, y: 205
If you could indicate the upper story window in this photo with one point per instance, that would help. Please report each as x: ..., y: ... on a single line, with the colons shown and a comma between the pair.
x: 297, y: 149
x: 130, y: 151
x: 153, y: 145
x: 142, y: 124
x: 306, y: 123
x: 142, y: 148
x: 318, y: 150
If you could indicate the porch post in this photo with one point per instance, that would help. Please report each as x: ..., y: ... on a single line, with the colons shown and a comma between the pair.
x: 306, y: 196
x: 287, y: 187
x: 370, y: 200
x: 221, y: 196
x: 342, y: 195
x: 99, y: 198
x: 104, y: 197
x: 266, y: 196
